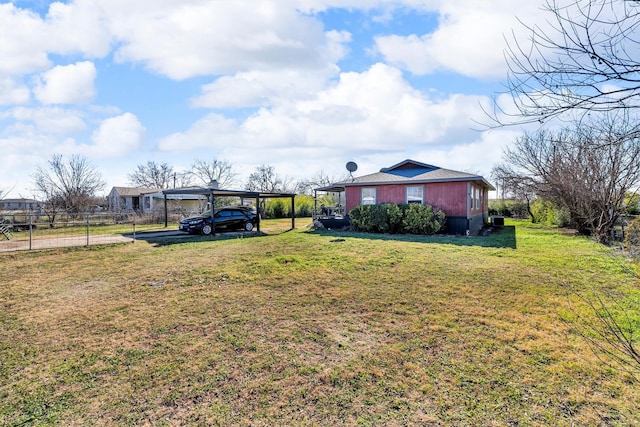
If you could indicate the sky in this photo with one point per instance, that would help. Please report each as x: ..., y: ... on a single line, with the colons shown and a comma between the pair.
x: 301, y: 85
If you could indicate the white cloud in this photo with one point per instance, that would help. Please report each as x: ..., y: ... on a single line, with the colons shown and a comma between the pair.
x: 194, y: 38
x: 213, y: 131
x: 469, y: 40
x: 80, y: 26
x: 373, y: 111
x: 23, y: 41
x: 27, y: 39
x: 12, y: 92
x: 116, y: 136
x: 67, y: 84
x: 50, y: 120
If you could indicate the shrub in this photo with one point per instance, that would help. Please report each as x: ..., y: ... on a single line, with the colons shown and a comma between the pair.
x: 548, y: 213
x: 395, y: 213
x: 304, y: 206
x: 397, y: 218
x: 276, y: 208
x: 359, y: 217
x: 509, y: 208
x: 632, y: 237
x: 379, y: 220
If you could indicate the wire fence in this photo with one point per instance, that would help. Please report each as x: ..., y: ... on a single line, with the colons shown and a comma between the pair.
x: 28, y: 231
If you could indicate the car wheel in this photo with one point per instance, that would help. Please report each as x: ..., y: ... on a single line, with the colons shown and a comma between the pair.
x: 206, y: 229
x: 248, y: 226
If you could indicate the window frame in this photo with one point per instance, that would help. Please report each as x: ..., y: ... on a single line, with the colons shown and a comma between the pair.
x: 416, y: 200
x: 374, y: 197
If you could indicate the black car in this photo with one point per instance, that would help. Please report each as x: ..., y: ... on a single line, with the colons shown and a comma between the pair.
x: 227, y: 218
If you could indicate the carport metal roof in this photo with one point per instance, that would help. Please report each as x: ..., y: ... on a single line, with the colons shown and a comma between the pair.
x: 214, y: 192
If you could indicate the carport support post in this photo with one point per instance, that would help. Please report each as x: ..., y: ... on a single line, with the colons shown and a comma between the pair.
x: 258, y: 212
x: 213, y: 218
x: 166, y: 219
x: 315, y: 204
x: 293, y: 212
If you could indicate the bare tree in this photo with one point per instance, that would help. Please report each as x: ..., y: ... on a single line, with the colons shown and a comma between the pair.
x: 587, y: 169
x: 153, y: 175
x: 517, y: 184
x: 264, y: 179
x: 320, y: 179
x: 68, y: 185
x: 584, y: 60
x: 218, y: 170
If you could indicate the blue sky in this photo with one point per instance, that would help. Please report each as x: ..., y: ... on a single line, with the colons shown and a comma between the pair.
x: 302, y: 85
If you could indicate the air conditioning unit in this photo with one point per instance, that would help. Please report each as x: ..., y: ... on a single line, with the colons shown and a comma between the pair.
x: 497, y: 221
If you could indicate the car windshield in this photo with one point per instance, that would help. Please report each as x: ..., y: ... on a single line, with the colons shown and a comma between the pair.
x: 207, y: 213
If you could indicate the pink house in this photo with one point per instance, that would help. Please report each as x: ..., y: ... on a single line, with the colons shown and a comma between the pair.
x: 463, y: 197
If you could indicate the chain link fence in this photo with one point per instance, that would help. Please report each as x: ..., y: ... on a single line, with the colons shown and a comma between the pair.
x: 28, y: 231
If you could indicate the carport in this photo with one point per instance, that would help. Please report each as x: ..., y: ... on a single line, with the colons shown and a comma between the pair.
x: 212, y: 193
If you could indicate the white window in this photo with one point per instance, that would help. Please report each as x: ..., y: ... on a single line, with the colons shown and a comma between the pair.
x: 477, y: 191
x: 415, y: 194
x: 368, y: 195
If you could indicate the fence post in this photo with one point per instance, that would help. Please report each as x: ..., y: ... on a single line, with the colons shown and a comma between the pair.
x: 30, y: 230
x: 87, y: 229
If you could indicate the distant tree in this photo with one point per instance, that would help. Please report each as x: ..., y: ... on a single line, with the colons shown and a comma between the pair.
x: 3, y: 192
x: 632, y: 200
x: 153, y: 175
x: 517, y: 184
x: 68, y: 185
x: 214, y: 169
x: 265, y: 179
x: 587, y: 169
x: 320, y: 179
x: 585, y: 60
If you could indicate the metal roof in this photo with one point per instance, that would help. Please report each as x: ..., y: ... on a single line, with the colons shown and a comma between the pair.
x: 218, y: 192
x: 408, y: 172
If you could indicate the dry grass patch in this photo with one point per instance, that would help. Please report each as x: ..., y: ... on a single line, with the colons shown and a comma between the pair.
x: 308, y: 328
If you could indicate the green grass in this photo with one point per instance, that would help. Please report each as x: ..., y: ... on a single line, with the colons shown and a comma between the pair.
x: 312, y: 328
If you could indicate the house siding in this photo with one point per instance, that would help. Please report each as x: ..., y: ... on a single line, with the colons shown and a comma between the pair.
x: 450, y: 197
x: 455, y: 199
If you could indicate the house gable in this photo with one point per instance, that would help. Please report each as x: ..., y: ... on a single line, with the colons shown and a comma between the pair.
x: 409, y: 168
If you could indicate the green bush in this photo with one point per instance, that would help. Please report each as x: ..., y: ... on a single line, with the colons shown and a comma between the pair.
x: 304, y: 206
x: 632, y: 236
x: 276, y: 208
x: 397, y: 218
x: 395, y: 214
x: 281, y: 208
x: 548, y: 213
x: 359, y: 217
x: 509, y: 208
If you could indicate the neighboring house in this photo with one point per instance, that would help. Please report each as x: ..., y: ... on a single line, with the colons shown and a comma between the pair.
x: 186, y: 203
x: 463, y: 197
x: 127, y: 198
x: 149, y: 200
x: 20, y: 205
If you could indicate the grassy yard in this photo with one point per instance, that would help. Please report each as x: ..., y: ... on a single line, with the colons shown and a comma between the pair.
x: 312, y: 328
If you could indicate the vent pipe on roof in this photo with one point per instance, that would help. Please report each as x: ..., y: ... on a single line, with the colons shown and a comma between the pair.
x: 213, y: 184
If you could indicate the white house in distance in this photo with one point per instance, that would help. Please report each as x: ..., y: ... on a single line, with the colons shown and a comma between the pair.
x: 150, y: 200
x: 21, y: 204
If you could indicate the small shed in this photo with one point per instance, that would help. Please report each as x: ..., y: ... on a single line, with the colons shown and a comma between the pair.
x: 212, y: 193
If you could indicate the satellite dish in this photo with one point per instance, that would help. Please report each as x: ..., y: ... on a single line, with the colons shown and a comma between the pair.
x: 352, y: 167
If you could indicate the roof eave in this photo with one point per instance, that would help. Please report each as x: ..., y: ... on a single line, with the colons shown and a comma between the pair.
x: 409, y: 181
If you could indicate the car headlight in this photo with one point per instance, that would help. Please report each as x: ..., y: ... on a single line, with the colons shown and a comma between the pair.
x: 195, y: 222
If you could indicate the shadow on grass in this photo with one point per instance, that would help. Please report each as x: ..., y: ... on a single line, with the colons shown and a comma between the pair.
x: 174, y: 238
x: 504, y: 237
